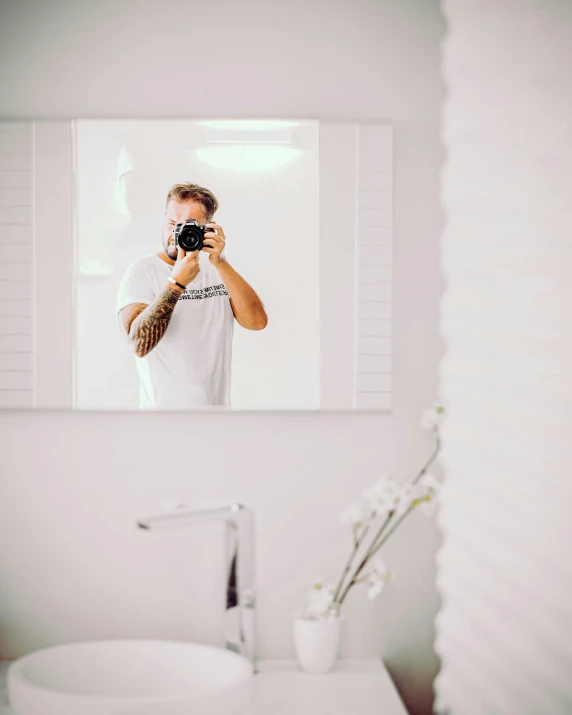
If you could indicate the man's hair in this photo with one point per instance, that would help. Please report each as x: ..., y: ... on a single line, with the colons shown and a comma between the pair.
x: 194, y: 192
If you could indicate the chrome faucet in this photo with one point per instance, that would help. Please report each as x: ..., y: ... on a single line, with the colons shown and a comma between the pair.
x: 240, y: 572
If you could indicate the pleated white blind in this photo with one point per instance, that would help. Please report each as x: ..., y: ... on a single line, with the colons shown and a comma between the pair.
x: 373, y: 365
x: 16, y: 266
x: 504, y: 632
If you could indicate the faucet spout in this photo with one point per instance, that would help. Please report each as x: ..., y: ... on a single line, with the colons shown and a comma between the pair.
x: 240, y: 567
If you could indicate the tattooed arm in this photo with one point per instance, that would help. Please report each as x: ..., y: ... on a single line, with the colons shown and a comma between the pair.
x: 145, y: 324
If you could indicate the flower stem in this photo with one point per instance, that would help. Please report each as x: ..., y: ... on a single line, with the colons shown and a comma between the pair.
x: 379, y: 538
x: 372, y: 547
x: 371, y: 551
x: 356, y: 547
x: 379, y: 533
x: 357, y: 543
x: 429, y: 461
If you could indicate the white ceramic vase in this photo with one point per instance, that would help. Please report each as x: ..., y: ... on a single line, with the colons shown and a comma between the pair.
x: 316, y: 643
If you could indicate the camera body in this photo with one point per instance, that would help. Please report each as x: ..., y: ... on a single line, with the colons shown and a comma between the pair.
x: 189, y: 235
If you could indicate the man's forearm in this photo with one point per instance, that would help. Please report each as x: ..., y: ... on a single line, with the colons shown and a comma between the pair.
x: 149, y: 326
x: 246, y: 305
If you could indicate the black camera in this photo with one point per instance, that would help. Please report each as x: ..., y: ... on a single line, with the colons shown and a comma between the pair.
x: 190, y: 234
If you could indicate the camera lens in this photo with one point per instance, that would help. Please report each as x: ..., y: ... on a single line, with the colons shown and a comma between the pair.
x: 190, y: 237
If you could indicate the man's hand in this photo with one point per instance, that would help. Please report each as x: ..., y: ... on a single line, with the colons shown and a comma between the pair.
x: 214, y: 243
x: 186, y: 267
x: 246, y: 305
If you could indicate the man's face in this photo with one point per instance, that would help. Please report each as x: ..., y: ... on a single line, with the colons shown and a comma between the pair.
x: 177, y: 212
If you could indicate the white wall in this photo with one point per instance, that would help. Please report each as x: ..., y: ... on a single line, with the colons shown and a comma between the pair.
x: 71, y: 566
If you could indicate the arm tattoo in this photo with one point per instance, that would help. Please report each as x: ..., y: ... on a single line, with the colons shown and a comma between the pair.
x: 148, y: 325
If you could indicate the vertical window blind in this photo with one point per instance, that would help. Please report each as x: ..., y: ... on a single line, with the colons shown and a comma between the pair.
x: 503, y: 633
x: 16, y: 266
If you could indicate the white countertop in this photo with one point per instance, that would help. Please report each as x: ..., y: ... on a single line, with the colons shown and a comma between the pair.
x: 359, y: 686
x: 355, y: 686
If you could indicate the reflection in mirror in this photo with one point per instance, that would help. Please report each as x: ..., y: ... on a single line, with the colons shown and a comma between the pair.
x: 196, y: 264
x: 258, y: 182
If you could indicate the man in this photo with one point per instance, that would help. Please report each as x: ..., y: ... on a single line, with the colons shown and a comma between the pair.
x: 181, y: 329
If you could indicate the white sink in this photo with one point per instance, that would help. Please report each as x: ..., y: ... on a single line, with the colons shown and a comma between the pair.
x: 130, y: 677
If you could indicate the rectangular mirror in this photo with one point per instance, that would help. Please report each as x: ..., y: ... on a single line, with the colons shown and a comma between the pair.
x: 286, y: 306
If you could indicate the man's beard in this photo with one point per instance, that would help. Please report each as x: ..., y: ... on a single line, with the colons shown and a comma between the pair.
x: 171, y: 250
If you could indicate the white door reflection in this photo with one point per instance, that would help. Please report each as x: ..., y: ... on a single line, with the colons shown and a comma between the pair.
x: 265, y: 175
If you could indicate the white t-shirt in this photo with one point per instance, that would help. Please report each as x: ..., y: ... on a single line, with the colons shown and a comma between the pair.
x: 190, y: 365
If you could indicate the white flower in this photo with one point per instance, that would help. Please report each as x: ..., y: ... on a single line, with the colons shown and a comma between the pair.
x: 430, y: 481
x: 432, y: 418
x: 374, y: 590
x: 320, y: 599
x: 382, y: 495
x: 432, y: 487
x: 407, y: 493
x: 379, y: 568
x: 377, y: 579
x: 354, y: 515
